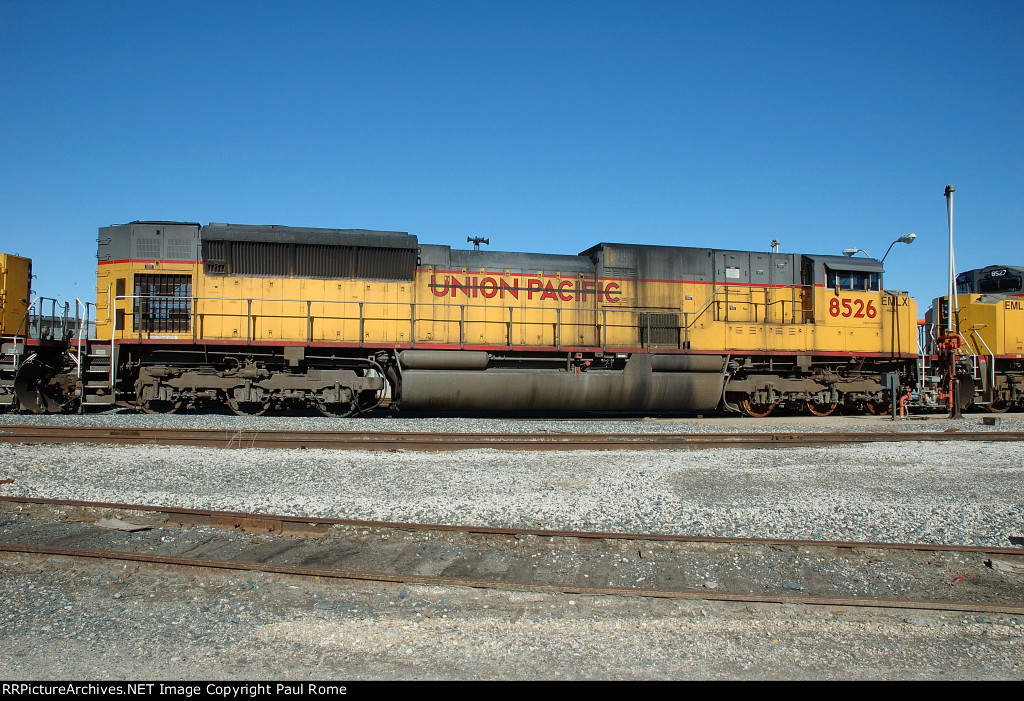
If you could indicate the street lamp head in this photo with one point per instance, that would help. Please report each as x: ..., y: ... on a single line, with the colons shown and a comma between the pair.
x: 906, y: 238
x: 849, y: 252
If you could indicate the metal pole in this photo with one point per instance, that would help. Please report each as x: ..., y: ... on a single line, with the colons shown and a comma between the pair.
x: 78, y: 355
x: 309, y: 322
x: 113, y: 335
x: 954, y: 382
x: 952, y: 265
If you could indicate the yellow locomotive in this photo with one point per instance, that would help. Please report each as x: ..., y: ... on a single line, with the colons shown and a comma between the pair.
x: 38, y: 344
x: 987, y: 343
x: 258, y: 317
x: 15, y: 279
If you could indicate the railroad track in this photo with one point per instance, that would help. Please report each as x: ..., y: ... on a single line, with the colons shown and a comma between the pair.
x: 830, y: 573
x: 392, y: 440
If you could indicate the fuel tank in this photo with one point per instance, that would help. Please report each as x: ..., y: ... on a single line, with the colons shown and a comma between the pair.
x: 641, y: 386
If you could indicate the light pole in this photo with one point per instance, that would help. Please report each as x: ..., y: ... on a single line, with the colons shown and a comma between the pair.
x: 952, y: 331
x: 906, y: 238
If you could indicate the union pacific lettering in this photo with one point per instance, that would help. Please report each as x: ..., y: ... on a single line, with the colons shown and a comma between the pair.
x: 488, y: 287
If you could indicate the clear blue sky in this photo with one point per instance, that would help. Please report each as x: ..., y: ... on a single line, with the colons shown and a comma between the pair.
x: 545, y: 126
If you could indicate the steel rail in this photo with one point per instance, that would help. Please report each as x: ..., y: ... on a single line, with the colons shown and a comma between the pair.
x: 308, y: 525
x: 241, y: 520
x: 392, y: 440
x: 429, y: 580
x: 283, y: 523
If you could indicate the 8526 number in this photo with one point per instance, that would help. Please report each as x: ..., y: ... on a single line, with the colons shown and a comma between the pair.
x: 857, y: 308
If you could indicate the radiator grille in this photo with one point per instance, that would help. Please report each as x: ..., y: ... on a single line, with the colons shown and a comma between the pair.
x: 215, y: 256
x: 308, y: 260
x: 251, y: 258
x: 313, y: 260
x: 658, y: 329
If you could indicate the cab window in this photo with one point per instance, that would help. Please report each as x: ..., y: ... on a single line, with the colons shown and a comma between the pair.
x: 854, y: 280
x: 1010, y: 283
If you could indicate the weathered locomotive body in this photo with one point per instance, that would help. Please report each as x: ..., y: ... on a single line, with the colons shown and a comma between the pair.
x: 266, y: 316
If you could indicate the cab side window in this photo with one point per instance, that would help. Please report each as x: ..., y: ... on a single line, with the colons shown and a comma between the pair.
x: 854, y: 280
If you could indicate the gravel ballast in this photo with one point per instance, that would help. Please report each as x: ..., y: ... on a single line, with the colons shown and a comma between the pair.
x: 959, y: 493
x: 955, y: 493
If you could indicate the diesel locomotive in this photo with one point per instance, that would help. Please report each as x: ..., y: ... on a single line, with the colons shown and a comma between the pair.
x: 987, y: 346
x: 259, y: 318
x: 270, y: 317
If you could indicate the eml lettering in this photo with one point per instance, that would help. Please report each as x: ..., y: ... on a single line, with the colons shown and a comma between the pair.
x: 893, y: 301
x: 1014, y: 304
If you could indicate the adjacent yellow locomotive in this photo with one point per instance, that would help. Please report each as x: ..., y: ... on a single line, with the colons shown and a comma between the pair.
x: 15, y: 279
x: 258, y: 317
x: 37, y: 338
x: 988, y: 340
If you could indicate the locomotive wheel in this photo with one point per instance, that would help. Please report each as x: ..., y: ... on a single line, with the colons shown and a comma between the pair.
x: 822, y: 409
x: 878, y: 408
x: 758, y: 411
x: 369, y: 400
x: 998, y: 407
x: 248, y: 408
x: 336, y: 410
x: 160, y: 407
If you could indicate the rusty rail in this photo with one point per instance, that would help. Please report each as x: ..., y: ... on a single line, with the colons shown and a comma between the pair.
x: 305, y: 525
x: 392, y: 440
x: 259, y: 523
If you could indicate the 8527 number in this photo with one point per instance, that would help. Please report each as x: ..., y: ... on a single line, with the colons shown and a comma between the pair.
x: 857, y: 308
